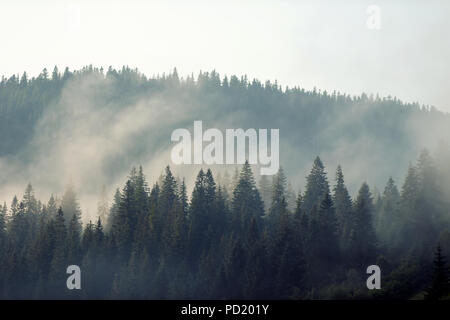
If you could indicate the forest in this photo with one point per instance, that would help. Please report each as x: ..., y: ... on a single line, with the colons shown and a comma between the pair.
x: 232, y: 235
x: 221, y: 243
x: 97, y: 124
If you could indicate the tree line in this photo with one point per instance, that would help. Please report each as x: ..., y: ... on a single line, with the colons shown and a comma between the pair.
x: 234, y: 239
x: 32, y: 109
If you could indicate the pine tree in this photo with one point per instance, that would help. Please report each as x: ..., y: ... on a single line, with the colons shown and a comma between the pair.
x: 291, y: 199
x: 3, y: 234
x: 200, y: 213
x: 322, y: 241
x: 246, y: 202
x: 265, y: 189
x: 184, y: 198
x: 88, y: 240
x: 429, y: 205
x: 255, y: 281
x: 114, y: 211
x: 168, y: 193
x: 74, y: 242
x: 227, y: 187
x: 52, y: 208
x: 286, y: 259
x: 278, y: 203
x: 14, y: 209
x: 389, y: 215
x: 59, y: 259
x: 29, y: 201
x: 301, y: 220
x: 70, y: 205
x: 121, y: 227
x: 99, y: 236
x: 410, y: 215
x: 316, y: 186
x: 221, y: 216
x: 55, y: 74
x: 363, y: 241
x: 440, y: 285
x: 343, y: 207
x: 141, y: 193
x: 103, y: 208
x: 171, y: 219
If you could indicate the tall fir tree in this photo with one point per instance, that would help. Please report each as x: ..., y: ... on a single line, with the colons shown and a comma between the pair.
x: 265, y: 189
x: 440, y: 283
x: 344, y: 211
x: 363, y: 240
x: 389, y: 214
x: 316, y: 186
x: 278, y: 201
x: 70, y: 205
x: 246, y: 202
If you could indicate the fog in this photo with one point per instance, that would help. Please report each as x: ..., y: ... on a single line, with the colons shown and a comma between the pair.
x: 93, y: 140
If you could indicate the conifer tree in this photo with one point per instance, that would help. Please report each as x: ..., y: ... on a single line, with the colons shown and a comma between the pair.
x: 114, y: 211
x: 59, y: 257
x: 440, y: 285
x: 184, y: 198
x: 389, y: 215
x: 52, y: 208
x: 102, y: 207
x: 3, y: 235
x: 291, y: 198
x: 246, y: 202
x: 74, y: 242
x: 265, y: 189
x: 278, y: 202
x: 70, y: 205
x: 363, y: 239
x: 168, y: 193
x: 343, y: 206
x: 316, y: 186
x: 203, y: 197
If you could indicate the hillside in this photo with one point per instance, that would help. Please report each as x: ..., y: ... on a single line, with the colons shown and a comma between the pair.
x: 92, y: 125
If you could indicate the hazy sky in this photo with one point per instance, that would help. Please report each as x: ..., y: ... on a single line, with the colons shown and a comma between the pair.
x: 326, y: 44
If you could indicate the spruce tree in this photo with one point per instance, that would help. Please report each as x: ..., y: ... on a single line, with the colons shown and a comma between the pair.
x: 70, y: 205
x: 52, y: 208
x: 440, y: 285
x: 265, y: 189
x: 3, y: 234
x: 278, y: 201
x: 316, y: 186
x: 184, y: 198
x: 200, y: 214
x: 246, y: 202
x: 102, y: 207
x: 389, y: 215
x: 59, y: 258
x: 74, y: 242
x: 363, y: 240
x: 343, y: 207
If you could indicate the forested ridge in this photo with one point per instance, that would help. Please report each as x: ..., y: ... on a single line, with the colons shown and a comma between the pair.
x: 235, y: 236
x: 41, y: 116
x: 220, y: 243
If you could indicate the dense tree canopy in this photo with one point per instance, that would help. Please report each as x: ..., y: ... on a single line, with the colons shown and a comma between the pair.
x: 159, y: 243
x: 232, y: 236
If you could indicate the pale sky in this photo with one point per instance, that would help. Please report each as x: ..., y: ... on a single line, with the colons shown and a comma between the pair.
x: 326, y: 44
